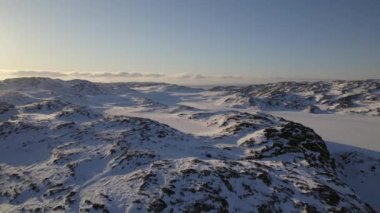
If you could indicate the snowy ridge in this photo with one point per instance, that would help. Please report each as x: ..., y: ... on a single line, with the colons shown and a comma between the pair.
x: 314, y: 97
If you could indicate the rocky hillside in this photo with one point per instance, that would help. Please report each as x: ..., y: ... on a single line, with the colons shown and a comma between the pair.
x: 360, y: 97
x: 314, y: 97
x: 61, y: 152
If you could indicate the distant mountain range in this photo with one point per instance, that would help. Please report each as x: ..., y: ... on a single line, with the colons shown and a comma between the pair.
x: 315, y: 97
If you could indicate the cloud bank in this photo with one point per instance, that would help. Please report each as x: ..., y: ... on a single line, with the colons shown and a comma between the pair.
x: 183, y: 78
x: 176, y: 78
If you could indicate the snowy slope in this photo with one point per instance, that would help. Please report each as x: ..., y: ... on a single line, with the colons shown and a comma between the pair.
x: 315, y: 97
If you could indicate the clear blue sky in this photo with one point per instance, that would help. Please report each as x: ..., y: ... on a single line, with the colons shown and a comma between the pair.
x: 291, y: 39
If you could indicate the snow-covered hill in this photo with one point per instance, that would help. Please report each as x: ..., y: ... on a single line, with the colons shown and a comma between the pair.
x: 314, y: 97
x: 79, y: 146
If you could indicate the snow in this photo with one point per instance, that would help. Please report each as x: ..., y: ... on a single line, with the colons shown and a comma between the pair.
x: 258, y: 137
x: 345, y: 129
x: 346, y: 133
x: 181, y: 123
x: 78, y: 146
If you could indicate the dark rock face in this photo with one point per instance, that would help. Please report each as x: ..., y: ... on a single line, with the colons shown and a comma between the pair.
x: 5, y: 107
x: 313, y: 109
x: 298, y: 139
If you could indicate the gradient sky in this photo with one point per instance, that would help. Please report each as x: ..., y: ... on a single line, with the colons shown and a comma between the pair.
x: 257, y: 39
